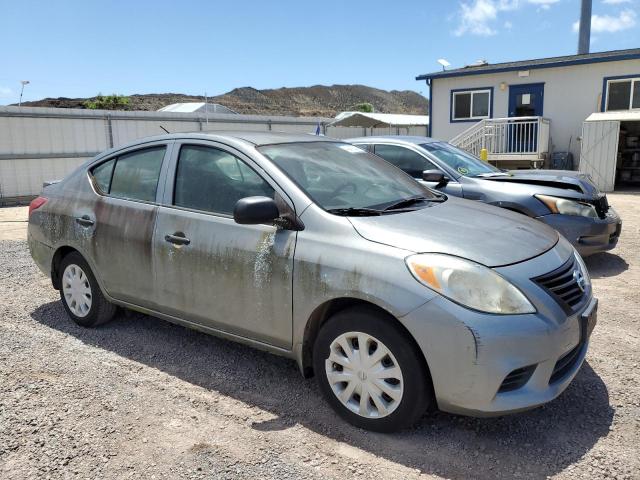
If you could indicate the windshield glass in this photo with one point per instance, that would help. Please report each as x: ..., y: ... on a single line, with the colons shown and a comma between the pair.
x: 462, y: 162
x: 342, y: 176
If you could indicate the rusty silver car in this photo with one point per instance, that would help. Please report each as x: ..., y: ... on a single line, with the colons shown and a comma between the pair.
x: 397, y: 297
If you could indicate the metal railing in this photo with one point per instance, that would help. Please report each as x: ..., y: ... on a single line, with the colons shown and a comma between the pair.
x: 507, y: 138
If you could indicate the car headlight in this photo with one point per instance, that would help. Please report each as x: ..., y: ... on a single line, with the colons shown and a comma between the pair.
x: 585, y: 272
x: 468, y: 283
x: 568, y: 207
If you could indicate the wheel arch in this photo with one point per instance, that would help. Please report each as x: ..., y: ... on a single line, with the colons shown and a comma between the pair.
x: 325, y: 311
x: 59, y: 254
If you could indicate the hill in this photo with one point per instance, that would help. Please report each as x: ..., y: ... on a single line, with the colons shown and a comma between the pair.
x: 318, y: 100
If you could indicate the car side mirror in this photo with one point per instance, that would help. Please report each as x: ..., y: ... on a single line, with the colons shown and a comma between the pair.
x: 435, y: 176
x: 255, y: 210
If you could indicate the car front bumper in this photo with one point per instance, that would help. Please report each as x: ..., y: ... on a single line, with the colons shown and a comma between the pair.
x: 470, y: 354
x: 587, y: 235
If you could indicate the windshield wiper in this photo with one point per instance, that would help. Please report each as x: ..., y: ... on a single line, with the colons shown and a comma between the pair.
x: 405, y: 202
x: 355, y: 212
x: 492, y: 174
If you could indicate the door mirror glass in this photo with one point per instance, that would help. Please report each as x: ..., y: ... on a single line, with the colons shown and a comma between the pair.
x: 433, y: 176
x: 255, y: 210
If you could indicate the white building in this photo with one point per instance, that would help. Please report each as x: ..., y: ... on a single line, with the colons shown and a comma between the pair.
x: 526, y: 110
x: 196, y: 107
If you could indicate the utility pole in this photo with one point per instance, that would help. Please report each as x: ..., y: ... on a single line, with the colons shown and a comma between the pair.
x: 584, y: 35
x: 206, y: 108
x: 23, y: 82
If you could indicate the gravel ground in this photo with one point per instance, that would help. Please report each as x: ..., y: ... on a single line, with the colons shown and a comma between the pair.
x: 142, y: 398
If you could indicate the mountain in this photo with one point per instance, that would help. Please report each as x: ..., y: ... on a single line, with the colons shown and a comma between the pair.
x: 318, y: 100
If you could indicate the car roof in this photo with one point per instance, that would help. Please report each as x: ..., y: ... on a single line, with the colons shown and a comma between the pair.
x: 255, y: 138
x: 397, y: 139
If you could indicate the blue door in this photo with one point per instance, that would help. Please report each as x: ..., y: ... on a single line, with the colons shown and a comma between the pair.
x: 525, y: 101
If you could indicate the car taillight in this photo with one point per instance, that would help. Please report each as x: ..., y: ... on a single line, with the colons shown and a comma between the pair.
x: 36, y: 203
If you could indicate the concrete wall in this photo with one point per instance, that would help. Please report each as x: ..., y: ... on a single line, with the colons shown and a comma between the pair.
x: 39, y: 144
x: 571, y: 94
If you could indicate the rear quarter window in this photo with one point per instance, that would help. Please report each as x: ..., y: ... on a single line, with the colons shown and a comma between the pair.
x: 102, y: 175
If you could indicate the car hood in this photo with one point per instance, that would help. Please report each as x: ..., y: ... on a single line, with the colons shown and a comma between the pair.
x: 572, y: 182
x: 488, y: 235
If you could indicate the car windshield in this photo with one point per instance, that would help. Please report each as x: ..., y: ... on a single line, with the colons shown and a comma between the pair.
x: 462, y: 162
x: 342, y: 178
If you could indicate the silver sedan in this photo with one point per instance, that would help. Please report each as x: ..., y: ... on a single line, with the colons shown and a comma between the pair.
x: 398, y: 298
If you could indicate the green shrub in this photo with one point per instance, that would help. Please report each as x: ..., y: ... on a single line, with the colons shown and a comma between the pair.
x: 107, y: 102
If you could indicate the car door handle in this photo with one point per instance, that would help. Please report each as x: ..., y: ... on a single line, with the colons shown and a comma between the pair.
x: 177, y: 238
x: 85, y: 221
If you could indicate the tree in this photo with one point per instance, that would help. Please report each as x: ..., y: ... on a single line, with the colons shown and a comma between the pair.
x: 365, y: 107
x: 107, y: 102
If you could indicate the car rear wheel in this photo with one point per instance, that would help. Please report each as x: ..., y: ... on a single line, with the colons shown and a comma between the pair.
x: 370, y: 370
x: 81, y: 295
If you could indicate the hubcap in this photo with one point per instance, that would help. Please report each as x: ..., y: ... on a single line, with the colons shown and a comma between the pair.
x: 364, y: 375
x: 76, y: 290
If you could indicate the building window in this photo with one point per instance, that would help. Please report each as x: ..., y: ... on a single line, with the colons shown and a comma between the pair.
x: 471, y: 104
x: 623, y: 94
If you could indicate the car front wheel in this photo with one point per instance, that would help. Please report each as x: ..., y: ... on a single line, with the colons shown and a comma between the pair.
x: 370, y: 370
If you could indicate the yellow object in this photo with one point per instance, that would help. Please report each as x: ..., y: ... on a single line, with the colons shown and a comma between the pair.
x: 427, y: 275
x: 484, y: 154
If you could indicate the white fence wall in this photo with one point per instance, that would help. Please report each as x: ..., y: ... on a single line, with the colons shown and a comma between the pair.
x: 39, y: 144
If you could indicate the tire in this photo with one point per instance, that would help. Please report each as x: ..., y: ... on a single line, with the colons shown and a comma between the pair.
x: 368, y: 403
x: 80, y: 293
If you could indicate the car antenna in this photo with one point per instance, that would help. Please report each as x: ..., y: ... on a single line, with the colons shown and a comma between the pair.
x: 165, y: 130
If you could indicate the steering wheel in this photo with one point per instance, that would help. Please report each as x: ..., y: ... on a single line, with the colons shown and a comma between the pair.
x: 342, y: 187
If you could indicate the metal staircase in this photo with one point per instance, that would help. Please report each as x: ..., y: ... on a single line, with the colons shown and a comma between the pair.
x: 507, y: 140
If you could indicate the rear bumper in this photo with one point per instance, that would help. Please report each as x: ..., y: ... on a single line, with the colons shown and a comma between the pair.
x: 42, y: 254
x: 587, y: 235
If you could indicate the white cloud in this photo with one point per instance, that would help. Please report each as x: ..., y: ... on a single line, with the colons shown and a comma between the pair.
x: 610, y: 24
x: 505, y: 5
x: 475, y: 18
x: 478, y: 17
x: 6, y: 92
x: 616, y: 2
x: 543, y: 4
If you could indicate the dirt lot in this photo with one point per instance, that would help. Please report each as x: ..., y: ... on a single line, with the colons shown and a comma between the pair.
x: 141, y: 398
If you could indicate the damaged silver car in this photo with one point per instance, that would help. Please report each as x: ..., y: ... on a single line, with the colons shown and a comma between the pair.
x: 398, y: 298
x: 566, y: 200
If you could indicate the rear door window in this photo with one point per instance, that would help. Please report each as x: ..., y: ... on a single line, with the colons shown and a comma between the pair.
x: 136, y: 174
x: 407, y: 160
x: 213, y: 180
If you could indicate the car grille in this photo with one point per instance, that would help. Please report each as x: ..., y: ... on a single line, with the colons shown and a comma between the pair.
x: 565, y: 363
x: 563, y: 285
x: 516, y: 379
x: 602, y: 206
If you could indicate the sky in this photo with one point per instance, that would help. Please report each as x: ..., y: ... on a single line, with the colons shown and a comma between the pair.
x: 74, y: 48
